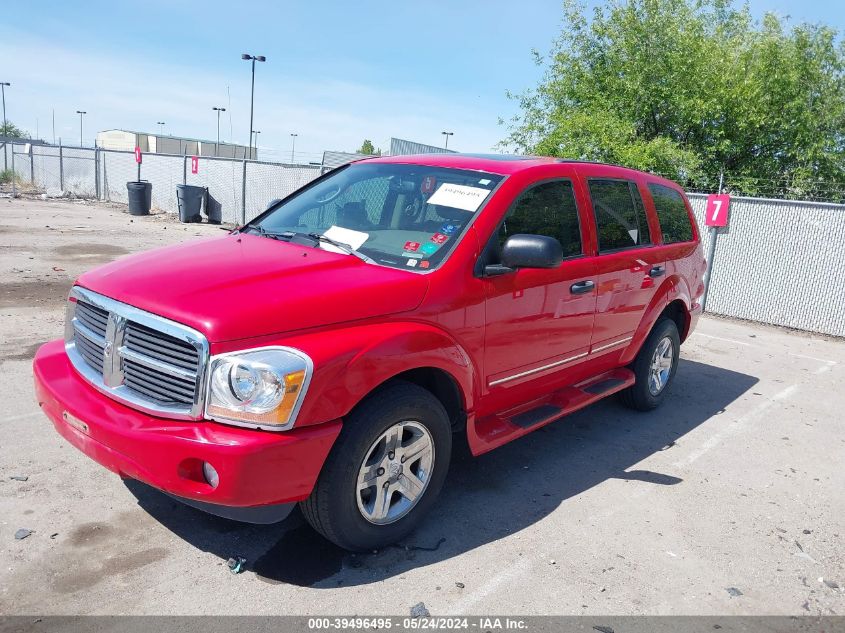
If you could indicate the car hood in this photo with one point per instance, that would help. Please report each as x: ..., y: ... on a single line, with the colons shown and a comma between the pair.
x: 243, y: 286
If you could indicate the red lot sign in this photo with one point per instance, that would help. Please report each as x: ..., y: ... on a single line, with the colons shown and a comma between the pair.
x: 137, y: 154
x: 195, y: 164
x: 716, y: 213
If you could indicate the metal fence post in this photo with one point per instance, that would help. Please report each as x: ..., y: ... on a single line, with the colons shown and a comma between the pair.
x: 185, y: 167
x: 61, y: 167
x: 243, y: 194
x: 14, y: 174
x: 711, y: 254
x: 105, y: 178
x: 32, y: 164
x: 97, y: 172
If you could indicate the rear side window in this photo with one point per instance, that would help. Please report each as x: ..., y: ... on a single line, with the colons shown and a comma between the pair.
x: 672, y: 213
x: 546, y: 209
x: 620, y: 214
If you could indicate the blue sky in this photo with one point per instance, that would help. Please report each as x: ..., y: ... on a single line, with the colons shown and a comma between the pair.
x: 336, y: 72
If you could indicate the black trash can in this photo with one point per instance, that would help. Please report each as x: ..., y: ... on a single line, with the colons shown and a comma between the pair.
x: 189, y: 198
x: 140, y: 194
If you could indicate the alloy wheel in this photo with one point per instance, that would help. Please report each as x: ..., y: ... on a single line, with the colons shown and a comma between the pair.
x: 395, y: 472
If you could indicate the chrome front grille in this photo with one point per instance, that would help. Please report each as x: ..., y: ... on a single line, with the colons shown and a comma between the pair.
x: 90, y: 334
x: 166, y: 349
x: 149, y: 362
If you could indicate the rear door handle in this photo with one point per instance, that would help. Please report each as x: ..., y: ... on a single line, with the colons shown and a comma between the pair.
x: 656, y: 271
x: 581, y: 287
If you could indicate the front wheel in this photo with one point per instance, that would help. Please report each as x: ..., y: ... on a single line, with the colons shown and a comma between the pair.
x: 385, y: 470
x: 654, y: 367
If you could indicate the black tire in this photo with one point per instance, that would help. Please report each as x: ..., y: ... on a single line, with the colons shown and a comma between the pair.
x: 639, y: 396
x: 332, y: 509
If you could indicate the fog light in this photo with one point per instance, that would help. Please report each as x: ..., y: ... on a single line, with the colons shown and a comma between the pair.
x: 210, y: 474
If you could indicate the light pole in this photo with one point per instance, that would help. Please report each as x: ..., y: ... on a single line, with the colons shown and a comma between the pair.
x: 217, y: 146
x: 81, y: 113
x: 292, y: 145
x: 3, y: 85
x: 253, y: 58
x: 161, y: 128
x: 447, y: 135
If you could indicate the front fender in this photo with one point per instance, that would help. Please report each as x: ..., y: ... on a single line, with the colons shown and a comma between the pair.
x: 673, y: 287
x: 350, y: 362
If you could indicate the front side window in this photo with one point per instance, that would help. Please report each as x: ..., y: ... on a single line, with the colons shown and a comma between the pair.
x: 620, y: 214
x: 406, y: 216
x: 672, y: 214
x: 546, y: 209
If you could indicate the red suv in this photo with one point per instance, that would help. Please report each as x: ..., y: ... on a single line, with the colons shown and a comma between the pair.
x: 329, y: 351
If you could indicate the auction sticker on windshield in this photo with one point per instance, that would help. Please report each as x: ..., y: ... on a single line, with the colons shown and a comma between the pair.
x: 346, y: 236
x: 459, y: 196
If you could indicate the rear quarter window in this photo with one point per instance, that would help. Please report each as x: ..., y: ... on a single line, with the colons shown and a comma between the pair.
x: 672, y: 214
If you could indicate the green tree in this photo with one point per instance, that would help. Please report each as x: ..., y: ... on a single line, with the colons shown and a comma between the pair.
x: 690, y: 88
x: 11, y: 130
x: 368, y: 148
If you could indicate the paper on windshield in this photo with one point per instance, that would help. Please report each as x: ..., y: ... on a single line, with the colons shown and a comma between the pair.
x: 345, y: 236
x: 459, y: 196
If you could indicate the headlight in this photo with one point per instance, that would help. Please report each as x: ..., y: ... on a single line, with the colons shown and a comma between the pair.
x: 262, y: 387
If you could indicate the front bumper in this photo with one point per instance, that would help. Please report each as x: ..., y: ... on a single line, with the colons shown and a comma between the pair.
x: 255, y: 468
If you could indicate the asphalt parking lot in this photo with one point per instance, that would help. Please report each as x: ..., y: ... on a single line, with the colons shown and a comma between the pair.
x: 728, y: 500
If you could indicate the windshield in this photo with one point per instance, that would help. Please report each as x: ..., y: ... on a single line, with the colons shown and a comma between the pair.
x: 405, y: 216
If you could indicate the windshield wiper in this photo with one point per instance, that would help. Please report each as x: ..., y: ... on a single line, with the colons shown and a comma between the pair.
x: 265, y: 233
x: 287, y: 236
x: 346, y: 248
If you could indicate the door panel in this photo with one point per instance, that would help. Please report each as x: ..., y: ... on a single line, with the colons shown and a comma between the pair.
x: 536, y: 323
x: 534, y: 320
x: 629, y: 266
x: 625, y: 289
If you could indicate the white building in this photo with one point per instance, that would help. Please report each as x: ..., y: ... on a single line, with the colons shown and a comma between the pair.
x: 156, y: 144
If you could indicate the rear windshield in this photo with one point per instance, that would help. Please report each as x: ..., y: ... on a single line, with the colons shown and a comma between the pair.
x: 406, y: 216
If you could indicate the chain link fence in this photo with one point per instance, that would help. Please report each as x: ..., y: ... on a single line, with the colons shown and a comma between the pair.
x: 780, y: 261
x: 240, y: 189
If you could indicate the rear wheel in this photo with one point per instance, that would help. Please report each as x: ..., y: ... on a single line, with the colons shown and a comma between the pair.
x: 654, y: 367
x: 385, y: 470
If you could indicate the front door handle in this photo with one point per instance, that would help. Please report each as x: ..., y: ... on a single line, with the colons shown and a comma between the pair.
x: 581, y: 287
x: 657, y: 271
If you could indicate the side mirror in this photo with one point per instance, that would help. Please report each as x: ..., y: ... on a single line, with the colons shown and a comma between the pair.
x: 527, y: 251
x: 272, y: 203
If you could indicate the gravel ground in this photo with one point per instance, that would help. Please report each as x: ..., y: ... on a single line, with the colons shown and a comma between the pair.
x: 727, y: 500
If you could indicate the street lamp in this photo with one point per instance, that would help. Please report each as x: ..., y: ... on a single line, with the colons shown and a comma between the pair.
x: 81, y: 113
x: 217, y: 146
x: 3, y: 85
x: 447, y: 135
x: 161, y: 129
x: 292, y: 145
x: 253, y: 58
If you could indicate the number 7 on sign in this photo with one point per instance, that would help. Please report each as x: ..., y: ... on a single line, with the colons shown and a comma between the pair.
x: 717, y: 205
x: 716, y: 213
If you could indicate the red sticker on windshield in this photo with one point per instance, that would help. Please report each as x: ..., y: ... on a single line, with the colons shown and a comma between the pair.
x: 428, y: 184
x: 439, y: 238
x: 412, y: 246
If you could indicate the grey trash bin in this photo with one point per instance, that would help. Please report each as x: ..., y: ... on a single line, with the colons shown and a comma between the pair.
x: 140, y: 194
x: 189, y: 198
